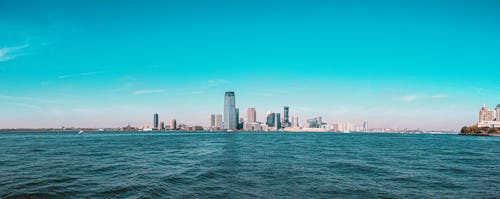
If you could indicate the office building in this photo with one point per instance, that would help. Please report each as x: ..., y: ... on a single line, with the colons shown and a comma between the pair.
x: 162, y: 125
x: 497, y: 109
x: 237, y: 118
x: 230, y: 111
x: 211, y: 120
x: 173, y: 124
x: 251, y: 115
x: 270, y: 119
x: 278, y: 121
x: 286, y: 121
x: 218, y: 121
x: 155, y: 121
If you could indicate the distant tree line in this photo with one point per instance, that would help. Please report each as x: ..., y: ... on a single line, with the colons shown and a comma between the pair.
x: 474, y: 130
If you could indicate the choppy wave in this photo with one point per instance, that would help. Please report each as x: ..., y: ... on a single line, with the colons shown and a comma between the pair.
x: 247, y: 165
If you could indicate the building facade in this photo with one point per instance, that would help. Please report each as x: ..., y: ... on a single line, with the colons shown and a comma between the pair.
x: 230, y: 122
x: 173, y: 124
x: 286, y: 121
x: 251, y: 115
x: 211, y: 120
x: 155, y: 121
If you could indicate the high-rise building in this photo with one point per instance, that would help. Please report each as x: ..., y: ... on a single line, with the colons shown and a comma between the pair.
x: 270, y: 119
x: 295, y: 122
x: 218, y: 121
x: 162, y: 125
x: 155, y: 121
x: 365, y: 126
x: 286, y: 121
x: 211, y: 120
x: 230, y: 111
x: 237, y: 117
x: 497, y: 109
x: 278, y: 121
x: 251, y: 115
x: 485, y: 114
x: 173, y: 124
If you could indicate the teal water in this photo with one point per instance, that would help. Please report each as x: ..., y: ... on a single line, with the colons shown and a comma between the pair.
x: 247, y: 165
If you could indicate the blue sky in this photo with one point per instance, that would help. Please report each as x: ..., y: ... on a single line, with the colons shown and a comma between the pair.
x: 414, y: 64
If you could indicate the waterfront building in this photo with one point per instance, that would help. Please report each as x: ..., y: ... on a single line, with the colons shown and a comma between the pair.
x: 278, y: 120
x: 286, y: 121
x: 497, y: 110
x: 295, y: 121
x: 218, y: 121
x: 162, y: 125
x: 489, y: 118
x: 237, y: 117
x: 229, y: 111
x: 155, y: 121
x: 485, y: 114
x: 270, y: 119
x: 251, y: 115
x: 211, y: 120
x: 254, y: 126
x: 312, y: 123
x: 173, y: 124
x: 365, y: 126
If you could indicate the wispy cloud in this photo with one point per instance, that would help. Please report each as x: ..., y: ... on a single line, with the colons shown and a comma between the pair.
x: 414, y: 97
x: 8, y: 53
x: 81, y: 74
x: 140, y: 92
x: 25, y: 105
x: 407, y: 98
x: 25, y: 98
x: 216, y: 82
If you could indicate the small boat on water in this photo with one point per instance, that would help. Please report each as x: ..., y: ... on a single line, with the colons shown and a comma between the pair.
x: 81, y: 132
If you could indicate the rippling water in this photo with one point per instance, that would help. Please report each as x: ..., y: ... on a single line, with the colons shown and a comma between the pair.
x: 247, y: 165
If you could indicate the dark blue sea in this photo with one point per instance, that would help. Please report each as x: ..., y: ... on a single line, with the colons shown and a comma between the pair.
x: 247, y: 165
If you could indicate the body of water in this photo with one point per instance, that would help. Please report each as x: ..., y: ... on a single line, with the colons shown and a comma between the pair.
x: 247, y: 165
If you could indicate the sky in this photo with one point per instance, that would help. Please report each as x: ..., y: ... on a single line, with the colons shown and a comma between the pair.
x: 396, y: 64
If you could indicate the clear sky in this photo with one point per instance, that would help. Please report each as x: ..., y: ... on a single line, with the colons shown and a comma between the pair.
x: 414, y: 64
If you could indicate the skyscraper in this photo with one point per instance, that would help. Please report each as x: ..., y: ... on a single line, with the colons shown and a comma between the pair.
x: 162, y: 125
x: 173, y: 124
x: 218, y: 120
x: 155, y: 121
x: 229, y: 111
x: 278, y: 121
x: 251, y: 115
x: 497, y: 109
x: 286, y: 121
x: 211, y: 120
x: 365, y: 126
x: 237, y: 117
x: 270, y: 119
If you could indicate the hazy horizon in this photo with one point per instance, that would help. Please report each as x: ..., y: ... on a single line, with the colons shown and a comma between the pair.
x: 396, y: 64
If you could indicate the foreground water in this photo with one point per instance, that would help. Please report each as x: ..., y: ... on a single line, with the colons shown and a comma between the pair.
x: 247, y: 165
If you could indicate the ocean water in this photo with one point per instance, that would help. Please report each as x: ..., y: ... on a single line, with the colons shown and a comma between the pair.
x: 247, y: 165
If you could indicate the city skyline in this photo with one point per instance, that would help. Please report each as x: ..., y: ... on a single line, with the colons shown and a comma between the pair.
x: 343, y: 61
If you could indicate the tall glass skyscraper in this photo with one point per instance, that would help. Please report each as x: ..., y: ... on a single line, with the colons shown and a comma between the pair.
x: 270, y: 120
x: 230, y: 111
x: 278, y: 121
x: 286, y: 121
x: 155, y: 121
